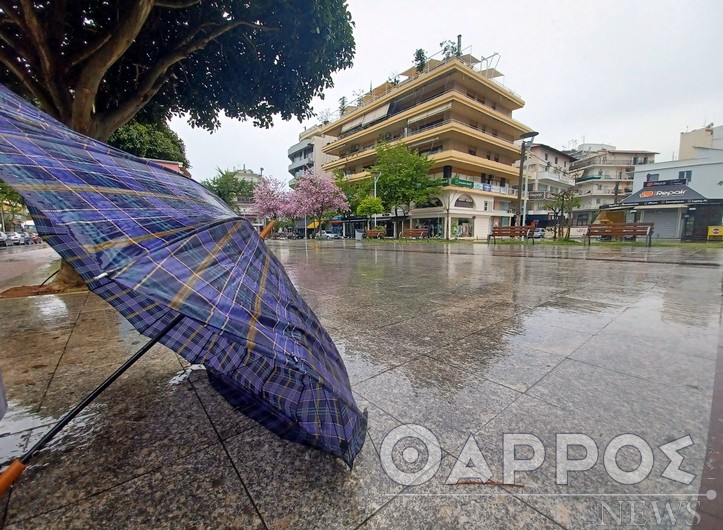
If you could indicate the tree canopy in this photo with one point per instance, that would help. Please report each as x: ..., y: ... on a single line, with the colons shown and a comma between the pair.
x: 561, y: 205
x: 403, y: 177
x: 11, y: 204
x: 317, y: 196
x: 229, y: 188
x: 271, y: 199
x: 150, y: 140
x: 95, y: 64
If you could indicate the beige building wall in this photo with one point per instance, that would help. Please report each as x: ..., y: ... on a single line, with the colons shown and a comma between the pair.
x: 709, y: 137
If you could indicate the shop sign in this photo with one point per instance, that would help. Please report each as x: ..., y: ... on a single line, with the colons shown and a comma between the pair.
x: 462, y: 183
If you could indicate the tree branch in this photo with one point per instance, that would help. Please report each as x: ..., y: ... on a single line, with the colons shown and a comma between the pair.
x: 178, y: 4
x: 30, y: 83
x: 47, y: 64
x: 89, y: 50
x: 99, y: 62
x: 154, y: 79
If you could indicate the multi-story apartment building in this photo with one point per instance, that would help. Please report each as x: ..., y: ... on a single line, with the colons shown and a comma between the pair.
x: 245, y: 202
x: 459, y: 115
x: 604, y: 177
x: 684, y: 197
x: 307, y: 155
x: 547, y: 171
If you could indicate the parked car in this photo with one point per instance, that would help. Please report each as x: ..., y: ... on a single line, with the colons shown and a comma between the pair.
x: 14, y: 238
x: 538, y: 233
x: 328, y: 235
x: 4, y: 241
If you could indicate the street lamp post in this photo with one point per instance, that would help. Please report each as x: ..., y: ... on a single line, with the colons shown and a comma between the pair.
x: 525, y: 136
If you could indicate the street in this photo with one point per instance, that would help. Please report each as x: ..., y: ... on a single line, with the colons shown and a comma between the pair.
x: 24, y: 263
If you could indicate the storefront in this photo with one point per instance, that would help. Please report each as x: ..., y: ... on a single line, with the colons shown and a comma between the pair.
x: 677, y: 211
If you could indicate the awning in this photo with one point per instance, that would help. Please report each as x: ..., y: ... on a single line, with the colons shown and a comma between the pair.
x: 662, y: 192
x: 313, y: 225
x: 432, y: 112
x: 375, y: 115
x: 352, y: 124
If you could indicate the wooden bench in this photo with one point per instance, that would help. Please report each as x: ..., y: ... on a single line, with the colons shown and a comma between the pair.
x: 374, y: 234
x: 621, y: 230
x: 414, y: 233
x: 511, y: 231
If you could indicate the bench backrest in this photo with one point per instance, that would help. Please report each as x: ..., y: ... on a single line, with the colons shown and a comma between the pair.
x: 414, y: 232
x: 620, y: 229
x: 510, y: 230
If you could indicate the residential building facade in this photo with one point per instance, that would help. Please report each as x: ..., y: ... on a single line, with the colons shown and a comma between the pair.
x: 547, y: 172
x: 307, y: 156
x: 604, y: 176
x: 709, y: 137
x: 245, y: 203
x: 458, y: 114
x: 683, y: 198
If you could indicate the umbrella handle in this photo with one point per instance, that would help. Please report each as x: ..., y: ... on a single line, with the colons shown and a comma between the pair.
x: 267, y: 229
x: 14, y: 470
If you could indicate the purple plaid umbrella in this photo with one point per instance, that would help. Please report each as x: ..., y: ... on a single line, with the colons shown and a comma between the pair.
x: 185, y: 270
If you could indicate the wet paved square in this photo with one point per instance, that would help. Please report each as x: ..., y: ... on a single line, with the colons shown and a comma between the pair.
x: 463, y: 340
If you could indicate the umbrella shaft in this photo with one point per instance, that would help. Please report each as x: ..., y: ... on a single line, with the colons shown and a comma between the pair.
x: 90, y: 397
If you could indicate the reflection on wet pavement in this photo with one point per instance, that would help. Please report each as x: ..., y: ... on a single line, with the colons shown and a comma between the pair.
x: 461, y: 339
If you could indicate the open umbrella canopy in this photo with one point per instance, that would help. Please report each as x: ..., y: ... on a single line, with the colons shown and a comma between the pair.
x: 155, y: 244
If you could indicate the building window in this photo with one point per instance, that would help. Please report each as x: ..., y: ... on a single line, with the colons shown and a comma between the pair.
x: 555, y: 160
x: 465, y: 201
x: 652, y: 177
x: 687, y: 175
x: 582, y: 219
x: 598, y: 187
x: 599, y: 172
x: 546, y: 156
x: 485, y: 206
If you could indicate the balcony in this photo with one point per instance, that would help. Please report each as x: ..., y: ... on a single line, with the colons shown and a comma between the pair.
x: 609, y: 161
x: 301, y: 162
x: 588, y: 178
x: 554, y: 177
x: 491, y: 188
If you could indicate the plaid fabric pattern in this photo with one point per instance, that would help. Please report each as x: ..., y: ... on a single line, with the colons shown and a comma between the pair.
x: 154, y: 244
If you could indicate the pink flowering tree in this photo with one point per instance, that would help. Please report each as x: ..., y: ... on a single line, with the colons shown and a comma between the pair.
x: 317, y: 196
x: 271, y: 199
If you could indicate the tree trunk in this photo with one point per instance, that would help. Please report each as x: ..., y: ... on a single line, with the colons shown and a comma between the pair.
x: 67, y: 278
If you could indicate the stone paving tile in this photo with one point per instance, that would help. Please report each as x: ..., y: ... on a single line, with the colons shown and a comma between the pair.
x: 437, y: 504
x: 451, y: 402
x: 367, y: 354
x: 139, y: 424
x: 294, y: 487
x: 626, y: 402
x: 490, y: 357
x: 524, y: 330
x: 225, y: 420
x: 200, y: 490
x: 639, y: 358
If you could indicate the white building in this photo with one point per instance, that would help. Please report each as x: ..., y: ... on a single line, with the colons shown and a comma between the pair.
x: 604, y: 177
x: 245, y: 202
x: 547, y: 171
x: 307, y: 155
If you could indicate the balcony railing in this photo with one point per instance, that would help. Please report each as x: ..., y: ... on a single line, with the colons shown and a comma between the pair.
x: 464, y: 183
x: 430, y: 98
x: 608, y: 161
x: 587, y: 178
x: 354, y: 149
x: 557, y: 177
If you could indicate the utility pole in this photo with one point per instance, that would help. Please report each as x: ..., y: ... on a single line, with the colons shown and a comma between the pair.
x: 525, y: 136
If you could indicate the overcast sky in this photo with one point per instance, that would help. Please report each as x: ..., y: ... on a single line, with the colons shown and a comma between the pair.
x: 632, y: 73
